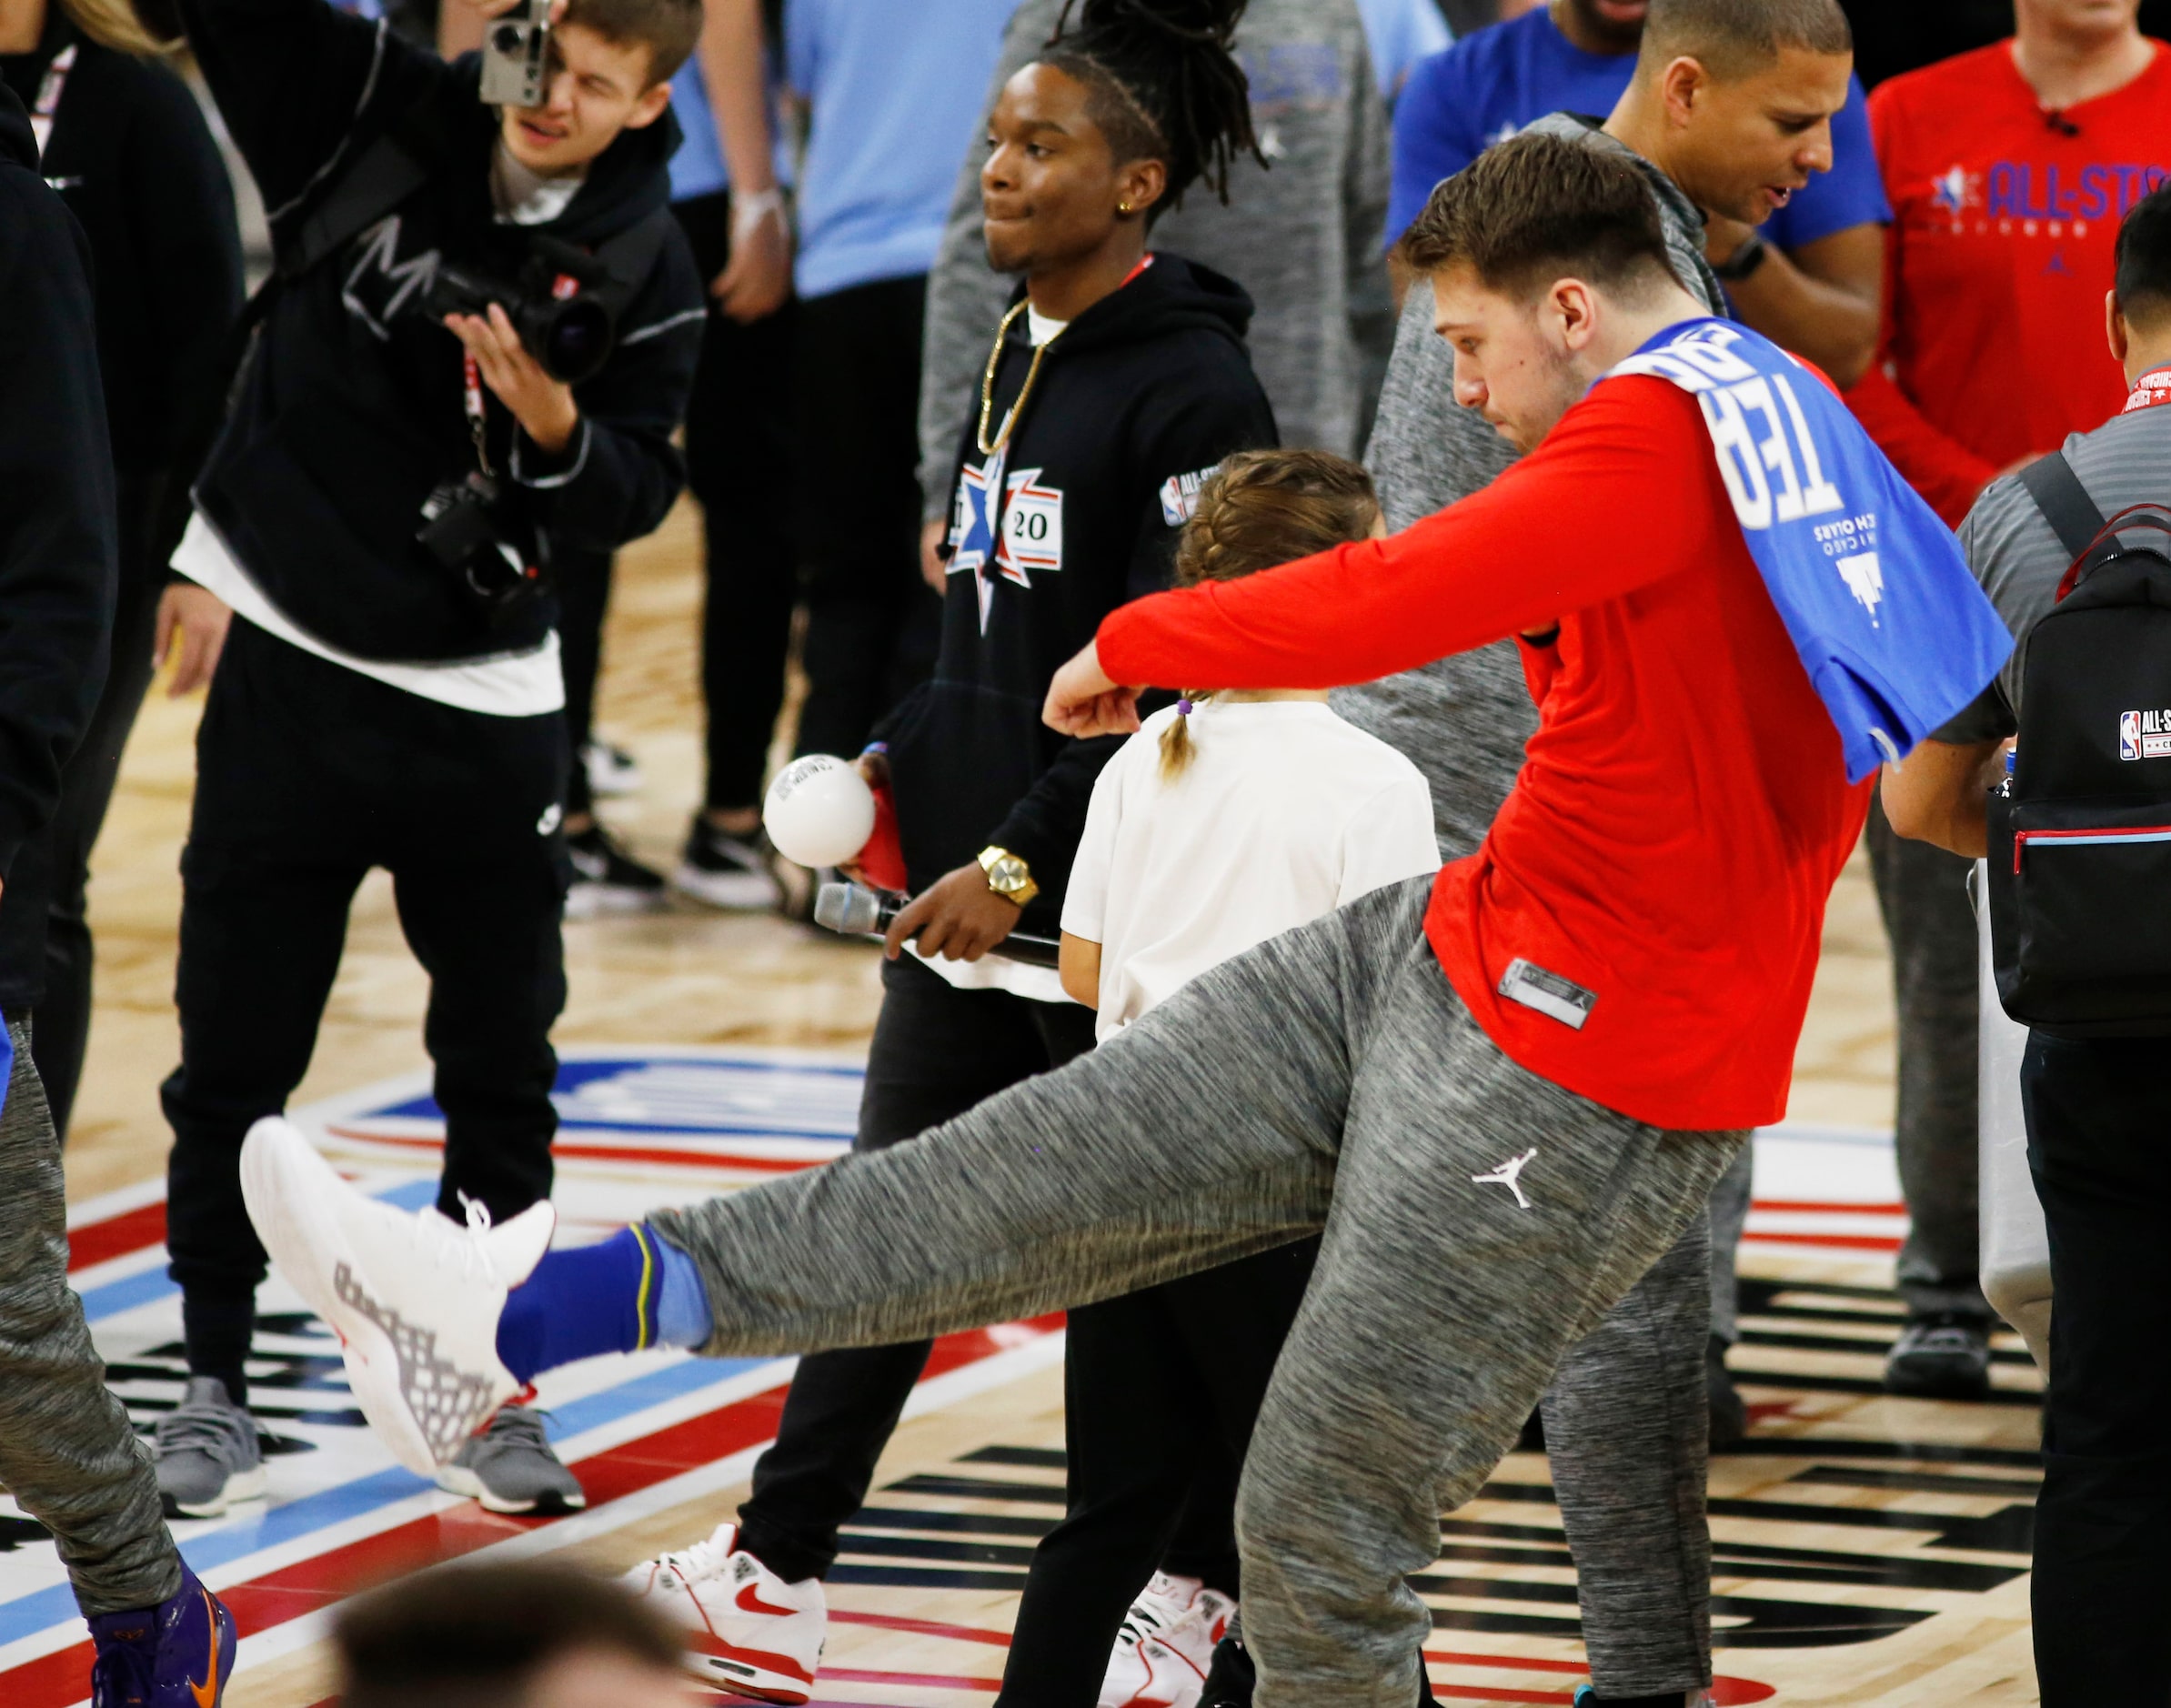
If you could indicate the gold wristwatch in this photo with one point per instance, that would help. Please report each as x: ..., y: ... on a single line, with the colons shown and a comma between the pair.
x: 1008, y: 875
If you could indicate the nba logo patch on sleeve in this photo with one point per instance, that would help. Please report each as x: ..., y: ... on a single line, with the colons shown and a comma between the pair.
x: 1179, y: 495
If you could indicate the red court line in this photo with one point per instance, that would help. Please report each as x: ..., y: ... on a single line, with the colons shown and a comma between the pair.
x: 1850, y: 1242
x: 612, y: 1153
x: 310, y: 1586
x: 1815, y: 1207
x: 117, y: 1236
x: 920, y: 1627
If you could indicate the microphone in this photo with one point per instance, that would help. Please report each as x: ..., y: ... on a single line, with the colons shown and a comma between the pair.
x: 853, y: 910
x: 2059, y: 122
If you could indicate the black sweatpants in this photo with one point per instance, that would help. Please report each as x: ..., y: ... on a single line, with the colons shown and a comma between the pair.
x: 872, y: 625
x: 582, y: 582
x: 308, y: 776
x: 63, y: 1031
x: 2099, y: 1144
x: 1160, y: 1390
x: 937, y: 1052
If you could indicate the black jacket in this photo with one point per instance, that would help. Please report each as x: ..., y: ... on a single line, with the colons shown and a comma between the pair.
x: 132, y: 158
x: 1142, y: 395
x: 56, y: 523
x: 349, y: 411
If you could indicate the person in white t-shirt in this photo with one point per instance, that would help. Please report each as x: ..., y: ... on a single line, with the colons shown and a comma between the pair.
x: 1228, y: 820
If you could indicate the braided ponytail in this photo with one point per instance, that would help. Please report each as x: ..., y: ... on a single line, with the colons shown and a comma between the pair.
x: 1164, y: 84
x: 1259, y: 510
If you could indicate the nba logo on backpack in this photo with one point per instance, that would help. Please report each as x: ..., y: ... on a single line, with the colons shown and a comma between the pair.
x: 2129, y: 735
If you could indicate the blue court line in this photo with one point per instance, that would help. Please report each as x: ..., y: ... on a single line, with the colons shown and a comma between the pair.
x: 42, y: 1609
x: 131, y: 1291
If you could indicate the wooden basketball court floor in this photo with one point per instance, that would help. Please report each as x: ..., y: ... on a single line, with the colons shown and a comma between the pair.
x: 1869, y: 1550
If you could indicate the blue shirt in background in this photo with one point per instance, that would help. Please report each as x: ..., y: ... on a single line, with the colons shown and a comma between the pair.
x: 699, y: 167
x: 895, y: 93
x: 1401, y: 35
x: 1494, y: 82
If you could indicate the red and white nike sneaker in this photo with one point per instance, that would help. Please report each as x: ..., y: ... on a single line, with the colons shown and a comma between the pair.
x: 746, y: 1630
x: 1165, y: 1648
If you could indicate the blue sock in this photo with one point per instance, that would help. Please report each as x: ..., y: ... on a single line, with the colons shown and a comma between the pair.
x: 682, y: 1316
x: 591, y: 1299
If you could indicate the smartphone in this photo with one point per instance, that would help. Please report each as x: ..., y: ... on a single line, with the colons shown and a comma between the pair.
x: 516, y: 52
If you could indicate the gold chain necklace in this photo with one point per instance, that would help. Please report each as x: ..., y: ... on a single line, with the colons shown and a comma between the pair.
x: 987, y: 384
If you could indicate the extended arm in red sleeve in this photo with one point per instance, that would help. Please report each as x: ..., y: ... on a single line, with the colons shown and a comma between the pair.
x: 1624, y: 492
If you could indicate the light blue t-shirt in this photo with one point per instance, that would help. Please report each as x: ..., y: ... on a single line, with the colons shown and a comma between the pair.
x: 1402, y: 34
x: 895, y: 93
x: 1494, y: 82
x: 699, y: 167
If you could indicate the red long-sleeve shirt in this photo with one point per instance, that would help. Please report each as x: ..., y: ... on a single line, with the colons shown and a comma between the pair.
x: 1683, y: 809
x: 2005, y: 218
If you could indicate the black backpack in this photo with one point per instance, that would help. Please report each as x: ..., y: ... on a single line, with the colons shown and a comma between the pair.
x: 2080, y: 833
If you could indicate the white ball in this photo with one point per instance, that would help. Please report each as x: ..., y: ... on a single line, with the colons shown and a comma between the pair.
x: 819, y: 811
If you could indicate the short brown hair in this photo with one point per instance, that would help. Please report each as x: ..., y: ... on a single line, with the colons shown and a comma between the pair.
x: 474, y: 1636
x: 671, y: 28
x: 1259, y: 510
x: 1539, y: 207
x: 1730, y: 38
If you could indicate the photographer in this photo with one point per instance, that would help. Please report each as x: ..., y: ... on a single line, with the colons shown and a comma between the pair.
x: 380, y: 513
x: 2096, y: 1107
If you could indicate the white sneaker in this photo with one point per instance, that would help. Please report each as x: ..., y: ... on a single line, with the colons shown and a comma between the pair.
x: 746, y: 1630
x: 415, y: 1299
x: 1165, y: 1647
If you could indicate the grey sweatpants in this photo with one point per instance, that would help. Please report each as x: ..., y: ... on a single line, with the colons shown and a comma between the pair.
x: 68, y: 1452
x: 1329, y: 1080
x: 1921, y: 892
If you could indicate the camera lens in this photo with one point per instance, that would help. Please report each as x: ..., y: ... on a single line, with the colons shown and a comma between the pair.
x: 579, y: 341
x: 505, y: 38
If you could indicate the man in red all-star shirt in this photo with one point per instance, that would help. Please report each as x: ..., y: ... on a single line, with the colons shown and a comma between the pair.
x: 2009, y: 170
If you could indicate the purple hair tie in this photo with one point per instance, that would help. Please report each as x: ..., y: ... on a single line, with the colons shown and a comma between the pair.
x: 1183, y: 706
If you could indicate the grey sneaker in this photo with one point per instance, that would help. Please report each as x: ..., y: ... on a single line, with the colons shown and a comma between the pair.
x: 509, y: 1467
x: 1943, y: 1356
x: 206, y: 1452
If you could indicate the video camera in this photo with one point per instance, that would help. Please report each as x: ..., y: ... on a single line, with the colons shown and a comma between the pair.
x: 561, y: 321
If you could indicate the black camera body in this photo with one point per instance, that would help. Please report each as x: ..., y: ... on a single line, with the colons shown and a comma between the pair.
x: 462, y: 532
x: 552, y: 303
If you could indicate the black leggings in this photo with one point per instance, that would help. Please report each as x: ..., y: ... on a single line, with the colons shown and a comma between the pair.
x: 1160, y: 1389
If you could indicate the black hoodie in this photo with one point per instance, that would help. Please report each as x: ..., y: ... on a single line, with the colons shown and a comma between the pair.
x: 56, y: 524
x: 1136, y: 401
x: 350, y: 410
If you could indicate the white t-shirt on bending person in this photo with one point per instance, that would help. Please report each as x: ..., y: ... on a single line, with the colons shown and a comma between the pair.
x: 1284, y: 814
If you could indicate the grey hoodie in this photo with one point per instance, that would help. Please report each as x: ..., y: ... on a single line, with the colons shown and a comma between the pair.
x: 1463, y: 720
x: 1304, y: 238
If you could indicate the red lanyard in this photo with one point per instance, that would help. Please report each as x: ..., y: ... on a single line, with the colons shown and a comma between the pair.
x: 2152, y: 389
x: 49, y: 90
x: 471, y: 400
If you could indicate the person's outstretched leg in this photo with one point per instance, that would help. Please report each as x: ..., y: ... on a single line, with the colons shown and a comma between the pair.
x: 68, y: 1452
x: 1483, y: 1220
x: 1625, y: 1432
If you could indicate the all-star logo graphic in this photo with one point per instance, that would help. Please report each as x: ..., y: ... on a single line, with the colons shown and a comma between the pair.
x: 1004, y: 525
x: 1956, y: 190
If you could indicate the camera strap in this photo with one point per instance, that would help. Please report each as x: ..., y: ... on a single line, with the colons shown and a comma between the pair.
x: 471, y: 402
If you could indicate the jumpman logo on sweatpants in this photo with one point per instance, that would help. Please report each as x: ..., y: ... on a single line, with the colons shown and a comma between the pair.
x: 1507, y: 1174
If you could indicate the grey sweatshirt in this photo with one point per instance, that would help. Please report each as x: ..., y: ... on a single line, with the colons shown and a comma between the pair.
x: 1304, y: 238
x: 1463, y: 720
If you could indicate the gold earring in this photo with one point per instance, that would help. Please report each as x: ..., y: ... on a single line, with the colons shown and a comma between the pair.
x: 1122, y: 207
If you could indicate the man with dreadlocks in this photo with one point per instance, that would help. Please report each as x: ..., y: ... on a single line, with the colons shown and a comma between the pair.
x: 1117, y: 380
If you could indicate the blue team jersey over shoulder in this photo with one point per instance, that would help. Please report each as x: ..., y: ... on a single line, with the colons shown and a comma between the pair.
x: 1495, y: 81
x: 1894, y: 632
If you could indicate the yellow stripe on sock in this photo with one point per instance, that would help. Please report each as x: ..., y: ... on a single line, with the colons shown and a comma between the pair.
x: 642, y: 1314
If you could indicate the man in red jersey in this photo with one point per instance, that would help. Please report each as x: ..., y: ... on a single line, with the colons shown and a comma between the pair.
x: 1501, y: 1095
x: 2009, y: 169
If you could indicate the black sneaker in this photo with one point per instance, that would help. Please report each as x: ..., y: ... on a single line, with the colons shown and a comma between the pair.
x: 1232, y: 1678
x: 1945, y: 1355
x: 606, y: 879
x: 1729, y: 1413
x: 726, y: 870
